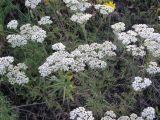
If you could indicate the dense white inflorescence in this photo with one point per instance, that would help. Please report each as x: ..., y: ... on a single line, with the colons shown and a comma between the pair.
x: 104, y: 9
x: 12, y: 24
x: 141, y: 83
x: 80, y: 18
x: 81, y: 114
x: 15, y: 74
x: 132, y: 33
x: 109, y: 115
x: 136, y: 51
x: 123, y: 118
x: 32, y: 3
x: 77, y: 5
x: 5, y: 62
x: 151, y: 38
x: 27, y: 33
x: 153, y: 47
x: 134, y: 116
x: 58, y: 46
x: 131, y: 117
x: 16, y: 40
x: 126, y: 38
x: 45, y: 20
x: 148, y: 113
x: 143, y: 35
x: 153, y: 68
x: 78, y: 59
x: 118, y: 27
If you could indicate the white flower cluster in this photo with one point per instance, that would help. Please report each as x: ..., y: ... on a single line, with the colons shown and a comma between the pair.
x: 33, y: 33
x: 126, y: 38
x: 153, y: 68
x: 16, y: 40
x: 5, y: 62
x: 81, y: 18
x: 136, y: 51
x: 58, y: 46
x: 32, y: 3
x: 81, y: 114
x: 153, y: 47
x: 15, y: 74
x: 45, y: 20
x: 134, y: 116
x: 77, y: 5
x: 141, y: 83
x: 142, y: 34
x: 148, y: 113
x: 110, y: 115
x: 90, y: 55
x: 151, y: 38
x: 104, y: 9
x: 12, y: 24
x: 118, y: 27
x: 27, y: 33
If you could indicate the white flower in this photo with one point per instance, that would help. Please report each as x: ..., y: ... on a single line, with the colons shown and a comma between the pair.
x: 32, y: 3
x: 12, y: 24
x: 131, y: 32
x: 77, y: 5
x: 139, y: 27
x: 58, y: 46
x: 148, y: 113
x: 16, y: 40
x: 153, y: 46
x: 141, y: 83
x: 134, y: 116
x: 103, y: 9
x: 45, y: 20
x: 118, y: 27
x: 126, y: 38
x: 16, y: 74
x: 27, y: 33
x: 4, y: 63
x: 124, y: 118
x: 96, y: 63
x: 59, y: 60
x: 81, y: 114
x: 153, y: 68
x: 109, y: 115
x: 37, y: 34
x: 80, y: 18
x: 136, y: 51
x: 78, y: 59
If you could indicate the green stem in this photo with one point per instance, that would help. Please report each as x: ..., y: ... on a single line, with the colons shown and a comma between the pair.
x: 44, y: 49
x: 84, y: 32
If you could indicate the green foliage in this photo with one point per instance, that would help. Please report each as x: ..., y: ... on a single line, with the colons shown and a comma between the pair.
x: 97, y: 90
x: 6, y: 111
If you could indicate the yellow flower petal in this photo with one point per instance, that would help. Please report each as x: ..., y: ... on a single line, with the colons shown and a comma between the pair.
x: 110, y: 4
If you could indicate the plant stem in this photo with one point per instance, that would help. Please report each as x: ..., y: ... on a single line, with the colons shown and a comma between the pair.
x: 84, y: 32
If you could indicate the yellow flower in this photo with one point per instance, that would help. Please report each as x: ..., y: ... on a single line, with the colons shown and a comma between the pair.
x: 110, y: 4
